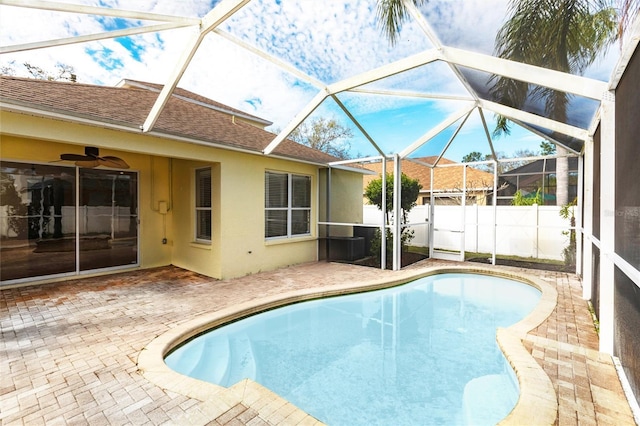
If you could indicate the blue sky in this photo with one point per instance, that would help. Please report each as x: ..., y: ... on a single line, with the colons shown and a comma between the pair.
x: 329, y: 40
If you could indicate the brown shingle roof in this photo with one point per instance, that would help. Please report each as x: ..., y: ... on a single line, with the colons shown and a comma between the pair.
x: 445, y: 178
x: 195, y: 97
x: 129, y: 107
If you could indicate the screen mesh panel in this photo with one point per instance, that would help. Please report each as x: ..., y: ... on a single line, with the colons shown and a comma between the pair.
x: 627, y: 241
x: 626, y: 320
x: 627, y: 223
x: 595, y: 283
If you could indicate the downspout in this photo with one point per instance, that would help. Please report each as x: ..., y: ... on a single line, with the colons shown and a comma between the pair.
x: 152, y: 179
x: 163, y: 207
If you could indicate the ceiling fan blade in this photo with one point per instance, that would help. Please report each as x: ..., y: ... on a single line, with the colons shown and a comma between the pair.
x: 91, y: 159
x: 89, y: 164
x: 113, y: 162
x: 75, y: 157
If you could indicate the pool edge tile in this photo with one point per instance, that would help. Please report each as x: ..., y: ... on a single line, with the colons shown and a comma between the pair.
x: 532, y: 379
x: 537, y: 403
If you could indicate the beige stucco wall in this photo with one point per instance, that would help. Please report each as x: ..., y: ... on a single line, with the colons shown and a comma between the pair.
x: 238, y: 245
x: 245, y: 248
x: 152, y: 252
x: 345, y: 206
x: 186, y: 252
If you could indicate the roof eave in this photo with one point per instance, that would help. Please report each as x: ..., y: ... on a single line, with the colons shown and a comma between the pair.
x: 24, y: 108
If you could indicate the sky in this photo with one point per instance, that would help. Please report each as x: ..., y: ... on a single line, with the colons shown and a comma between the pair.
x: 328, y: 40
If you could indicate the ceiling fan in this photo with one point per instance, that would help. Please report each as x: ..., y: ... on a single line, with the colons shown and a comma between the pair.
x: 92, y: 158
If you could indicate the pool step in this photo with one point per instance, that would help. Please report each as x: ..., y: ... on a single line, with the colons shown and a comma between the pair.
x: 204, y: 359
x: 185, y: 359
x: 242, y: 364
x: 489, y: 399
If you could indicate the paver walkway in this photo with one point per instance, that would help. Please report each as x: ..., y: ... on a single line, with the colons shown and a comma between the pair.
x: 68, y: 350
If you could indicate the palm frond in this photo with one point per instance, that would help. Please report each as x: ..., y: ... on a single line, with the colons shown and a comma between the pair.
x: 564, y: 35
x: 391, y: 14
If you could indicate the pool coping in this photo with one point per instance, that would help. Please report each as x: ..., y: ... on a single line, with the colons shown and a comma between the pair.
x: 537, y: 402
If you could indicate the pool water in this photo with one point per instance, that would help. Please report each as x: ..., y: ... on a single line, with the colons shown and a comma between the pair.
x: 421, y: 353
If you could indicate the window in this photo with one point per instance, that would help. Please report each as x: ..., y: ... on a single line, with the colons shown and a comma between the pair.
x: 287, y: 205
x: 203, y: 204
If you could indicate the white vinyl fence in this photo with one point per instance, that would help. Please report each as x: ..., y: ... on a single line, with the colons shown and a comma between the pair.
x: 93, y: 220
x: 526, y: 231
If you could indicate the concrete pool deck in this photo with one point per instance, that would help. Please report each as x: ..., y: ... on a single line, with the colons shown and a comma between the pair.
x: 69, y: 351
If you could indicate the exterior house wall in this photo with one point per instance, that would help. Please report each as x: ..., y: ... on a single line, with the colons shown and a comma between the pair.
x: 167, y: 206
x: 245, y: 249
x: 185, y: 252
x: 152, y: 252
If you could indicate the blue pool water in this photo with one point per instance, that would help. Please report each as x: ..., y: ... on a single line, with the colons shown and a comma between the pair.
x: 422, y: 353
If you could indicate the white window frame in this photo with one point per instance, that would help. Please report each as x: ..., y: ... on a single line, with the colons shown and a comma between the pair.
x: 289, y: 207
x: 198, y: 209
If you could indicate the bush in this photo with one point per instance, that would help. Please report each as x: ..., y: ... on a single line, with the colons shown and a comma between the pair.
x: 519, y: 199
x: 409, y: 190
x: 376, y: 244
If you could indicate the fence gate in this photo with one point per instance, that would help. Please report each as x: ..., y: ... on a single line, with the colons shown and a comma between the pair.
x: 447, y: 226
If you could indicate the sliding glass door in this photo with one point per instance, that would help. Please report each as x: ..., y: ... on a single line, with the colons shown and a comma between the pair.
x: 37, y: 220
x: 62, y: 220
x: 108, y: 225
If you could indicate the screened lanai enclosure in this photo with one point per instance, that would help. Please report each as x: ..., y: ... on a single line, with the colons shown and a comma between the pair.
x: 428, y: 97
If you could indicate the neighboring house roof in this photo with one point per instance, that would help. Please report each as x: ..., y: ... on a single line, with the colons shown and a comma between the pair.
x: 547, y: 165
x: 445, y: 178
x: 529, y: 175
x: 127, y: 107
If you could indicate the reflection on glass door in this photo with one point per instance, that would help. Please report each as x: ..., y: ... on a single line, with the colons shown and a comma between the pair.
x: 40, y: 232
x: 37, y: 220
x: 108, y: 225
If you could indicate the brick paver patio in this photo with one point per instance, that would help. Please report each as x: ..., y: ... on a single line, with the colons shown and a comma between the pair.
x: 69, y: 350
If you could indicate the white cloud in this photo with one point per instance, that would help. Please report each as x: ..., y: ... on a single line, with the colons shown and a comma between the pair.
x: 329, y: 39
x: 468, y: 24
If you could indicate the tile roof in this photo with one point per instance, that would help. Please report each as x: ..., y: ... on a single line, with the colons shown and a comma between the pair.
x: 128, y: 107
x: 445, y: 178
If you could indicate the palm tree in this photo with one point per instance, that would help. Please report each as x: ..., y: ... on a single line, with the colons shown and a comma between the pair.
x: 391, y: 15
x: 628, y: 10
x: 565, y: 35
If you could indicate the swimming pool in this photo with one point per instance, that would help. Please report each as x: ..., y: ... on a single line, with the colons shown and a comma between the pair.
x: 424, y: 350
